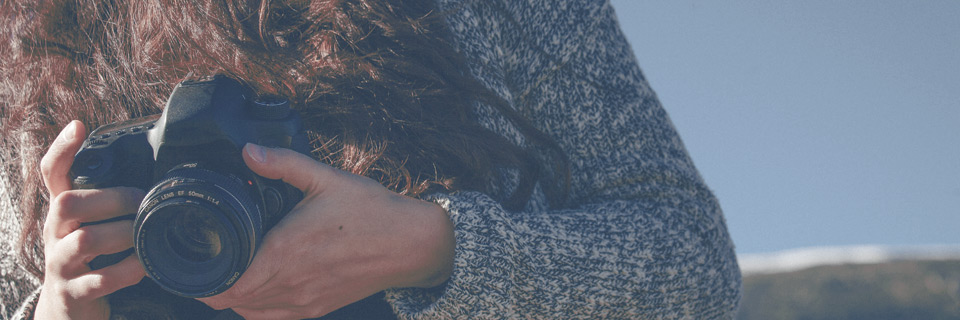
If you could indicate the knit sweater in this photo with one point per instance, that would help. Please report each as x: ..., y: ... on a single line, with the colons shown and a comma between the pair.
x: 640, y: 237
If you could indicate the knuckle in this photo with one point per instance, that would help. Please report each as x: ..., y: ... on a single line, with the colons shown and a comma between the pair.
x: 47, y: 165
x: 60, y: 213
x: 57, y: 287
x: 52, y: 265
x: 86, y: 290
x: 64, y: 202
x: 85, y: 241
x: 61, y: 288
x: 49, y: 229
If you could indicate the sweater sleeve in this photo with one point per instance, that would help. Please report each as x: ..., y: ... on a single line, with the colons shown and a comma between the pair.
x: 18, y: 288
x: 642, y: 236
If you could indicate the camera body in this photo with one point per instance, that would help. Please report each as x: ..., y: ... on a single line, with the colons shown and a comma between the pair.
x: 206, y: 213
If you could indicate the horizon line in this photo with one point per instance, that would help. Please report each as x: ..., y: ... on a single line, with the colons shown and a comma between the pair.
x: 807, y: 257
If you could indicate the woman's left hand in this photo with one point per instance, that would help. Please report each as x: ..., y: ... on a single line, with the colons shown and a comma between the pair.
x: 349, y: 238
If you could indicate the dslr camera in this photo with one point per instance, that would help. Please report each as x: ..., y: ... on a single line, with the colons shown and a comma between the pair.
x: 206, y: 213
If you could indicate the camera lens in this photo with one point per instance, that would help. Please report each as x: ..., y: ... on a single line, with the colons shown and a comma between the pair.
x: 197, y: 231
x: 195, y: 235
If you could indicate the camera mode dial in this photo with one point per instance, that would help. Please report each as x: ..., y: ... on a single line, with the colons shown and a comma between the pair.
x: 269, y: 107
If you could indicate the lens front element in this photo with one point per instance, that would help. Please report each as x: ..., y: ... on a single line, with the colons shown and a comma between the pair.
x: 197, y: 231
x: 195, y: 235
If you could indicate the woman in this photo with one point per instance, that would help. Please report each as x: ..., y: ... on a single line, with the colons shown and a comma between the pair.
x: 525, y: 168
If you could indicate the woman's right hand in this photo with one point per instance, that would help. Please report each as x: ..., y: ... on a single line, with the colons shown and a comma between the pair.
x: 71, y: 290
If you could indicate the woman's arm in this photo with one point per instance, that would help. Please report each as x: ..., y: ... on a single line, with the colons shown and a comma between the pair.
x: 643, y: 237
x: 17, y: 286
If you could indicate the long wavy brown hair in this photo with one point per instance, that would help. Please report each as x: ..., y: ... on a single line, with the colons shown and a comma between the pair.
x: 382, y: 90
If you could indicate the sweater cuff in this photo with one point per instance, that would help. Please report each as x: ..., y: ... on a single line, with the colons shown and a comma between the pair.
x: 474, y: 217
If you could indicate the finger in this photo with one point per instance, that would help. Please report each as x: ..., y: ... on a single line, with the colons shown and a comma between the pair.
x: 101, y: 282
x: 249, y: 288
x: 73, y: 252
x: 72, y: 208
x: 56, y: 163
x: 292, y: 167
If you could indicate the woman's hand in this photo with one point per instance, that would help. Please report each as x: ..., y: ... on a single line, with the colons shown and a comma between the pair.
x: 70, y: 289
x: 349, y: 238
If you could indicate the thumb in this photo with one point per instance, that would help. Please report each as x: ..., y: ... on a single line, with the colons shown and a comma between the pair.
x: 55, y: 164
x: 292, y: 167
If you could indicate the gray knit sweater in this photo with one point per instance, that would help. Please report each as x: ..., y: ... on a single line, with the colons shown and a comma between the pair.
x: 641, y: 237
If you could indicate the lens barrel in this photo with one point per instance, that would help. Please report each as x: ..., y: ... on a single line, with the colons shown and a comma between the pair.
x: 197, y: 231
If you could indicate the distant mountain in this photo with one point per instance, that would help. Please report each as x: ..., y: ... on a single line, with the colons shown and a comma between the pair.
x: 799, y: 259
x: 879, y: 288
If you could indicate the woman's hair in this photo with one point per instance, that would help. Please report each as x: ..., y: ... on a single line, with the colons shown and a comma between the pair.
x: 382, y: 91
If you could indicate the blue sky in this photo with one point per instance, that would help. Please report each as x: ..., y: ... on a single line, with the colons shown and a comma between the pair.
x: 816, y: 123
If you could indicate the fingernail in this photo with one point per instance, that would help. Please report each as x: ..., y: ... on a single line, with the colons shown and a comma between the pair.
x: 69, y: 132
x: 256, y: 153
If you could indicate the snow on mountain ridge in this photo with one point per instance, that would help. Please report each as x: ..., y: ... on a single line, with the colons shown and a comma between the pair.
x: 798, y: 259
